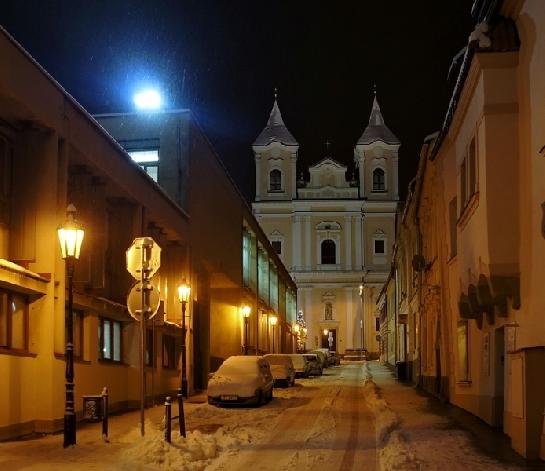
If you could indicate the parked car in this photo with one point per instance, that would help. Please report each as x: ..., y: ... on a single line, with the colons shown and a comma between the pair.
x: 300, y: 364
x: 314, y: 364
x: 245, y: 380
x: 322, y: 357
x: 281, y: 368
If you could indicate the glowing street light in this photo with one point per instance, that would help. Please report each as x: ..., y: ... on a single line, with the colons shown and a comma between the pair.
x: 184, y: 291
x: 147, y: 100
x: 245, y: 311
x: 273, y: 320
x: 70, y: 239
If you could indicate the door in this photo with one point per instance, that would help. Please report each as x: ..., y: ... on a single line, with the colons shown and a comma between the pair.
x: 499, y: 376
x: 329, y: 340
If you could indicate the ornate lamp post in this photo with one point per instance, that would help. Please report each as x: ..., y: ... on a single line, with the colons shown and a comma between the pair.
x: 246, y: 311
x: 273, y: 320
x: 70, y: 239
x: 183, y: 295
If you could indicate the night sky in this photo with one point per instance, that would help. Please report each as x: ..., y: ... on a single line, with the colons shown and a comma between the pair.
x: 223, y: 59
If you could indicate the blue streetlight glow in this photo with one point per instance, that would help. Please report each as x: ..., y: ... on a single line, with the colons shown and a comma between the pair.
x: 147, y: 100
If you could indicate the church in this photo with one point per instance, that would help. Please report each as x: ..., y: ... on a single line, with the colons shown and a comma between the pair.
x: 334, y: 234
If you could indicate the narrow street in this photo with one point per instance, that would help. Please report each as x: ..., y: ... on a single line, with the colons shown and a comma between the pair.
x: 355, y: 417
x: 321, y: 423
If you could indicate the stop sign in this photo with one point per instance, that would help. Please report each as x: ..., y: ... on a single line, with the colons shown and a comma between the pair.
x: 143, y: 254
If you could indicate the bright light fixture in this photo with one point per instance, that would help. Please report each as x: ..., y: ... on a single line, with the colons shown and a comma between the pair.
x: 245, y: 311
x: 273, y: 320
x: 147, y: 100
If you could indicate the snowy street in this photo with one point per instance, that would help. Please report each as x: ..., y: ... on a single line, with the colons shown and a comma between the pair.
x: 356, y: 416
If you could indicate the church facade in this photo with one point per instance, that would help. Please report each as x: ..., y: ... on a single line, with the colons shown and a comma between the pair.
x: 334, y: 235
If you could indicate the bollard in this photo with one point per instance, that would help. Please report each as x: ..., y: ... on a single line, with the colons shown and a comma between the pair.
x: 168, y: 418
x: 105, y: 414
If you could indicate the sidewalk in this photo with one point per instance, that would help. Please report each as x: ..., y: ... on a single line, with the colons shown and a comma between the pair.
x: 442, y: 436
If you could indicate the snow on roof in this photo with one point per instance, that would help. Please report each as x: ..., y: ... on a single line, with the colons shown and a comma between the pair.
x: 276, y: 130
x: 377, y: 129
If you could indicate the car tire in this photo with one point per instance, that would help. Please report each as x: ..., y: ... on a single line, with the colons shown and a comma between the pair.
x: 258, y: 398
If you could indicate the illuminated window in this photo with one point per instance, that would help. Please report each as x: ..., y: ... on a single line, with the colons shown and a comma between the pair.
x: 13, y: 321
x: 109, y: 336
x: 275, y: 180
x: 148, y: 159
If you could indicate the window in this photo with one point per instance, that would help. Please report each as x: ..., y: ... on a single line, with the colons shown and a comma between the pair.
x: 329, y: 256
x: 463, y: 354
x: 379, y: 246
x: 77, y: 333
x: 472, y: 178
x: 109, y: 337
x: 13, y: 321
x: 6, y: 153
x: 328, y: 311
x: 170, y: 356
x: 463, y: 188
x: 377, y: 324
x: 378, y: 180
x: 275, y: 180
x: 452, y: 212
x: 148, y: 159
x: 246, y: 248
x: 277, y: 246
x: 150, y: 348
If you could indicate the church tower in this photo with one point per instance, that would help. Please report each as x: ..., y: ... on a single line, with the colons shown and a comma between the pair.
x: 376, y: 157
x: 275, y: 152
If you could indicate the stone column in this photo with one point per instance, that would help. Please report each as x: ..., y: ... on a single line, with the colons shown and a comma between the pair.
x: 358, y: 220
x: 395, y: 182
x: 348, y: 242
x: 297, y: 255
x: 308, y: 244
x: 293, y: 175
x: 257, y: 177
x: 349, y: 323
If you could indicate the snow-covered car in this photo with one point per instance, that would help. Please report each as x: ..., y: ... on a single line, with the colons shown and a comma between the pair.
x: 300, y: 364
x: 281, y: 369
x: 322, y: 357
x: 245, y: 380
x: 314, y: 364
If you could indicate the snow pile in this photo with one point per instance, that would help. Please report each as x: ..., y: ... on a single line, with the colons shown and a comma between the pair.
x: 193, y: 453
x: 393, y: 450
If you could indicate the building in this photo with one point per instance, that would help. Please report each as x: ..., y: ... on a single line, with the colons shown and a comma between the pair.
x: 333, y: 234
x: 52, y: 152
x: 478, y: 214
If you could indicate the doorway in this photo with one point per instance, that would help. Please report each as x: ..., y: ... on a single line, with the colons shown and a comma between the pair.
x: 499, y: 377
x: 329, y: 340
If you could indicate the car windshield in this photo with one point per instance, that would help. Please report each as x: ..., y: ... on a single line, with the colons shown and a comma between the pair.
x: 238, y: 368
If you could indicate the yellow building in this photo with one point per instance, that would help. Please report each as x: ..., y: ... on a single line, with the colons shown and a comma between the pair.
x: 479, y: 213
x: 333, y: 235
x: 52, y: 152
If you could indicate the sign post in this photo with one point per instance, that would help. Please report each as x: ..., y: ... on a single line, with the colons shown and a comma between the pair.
x: 143, y: 261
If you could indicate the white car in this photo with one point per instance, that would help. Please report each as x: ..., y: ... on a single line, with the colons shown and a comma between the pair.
x: 281, y: 369
x: 245, y: 380
x: 301, y: 365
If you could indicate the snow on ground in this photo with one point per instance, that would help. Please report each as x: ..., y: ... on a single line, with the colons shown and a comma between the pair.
x: 415, y: 428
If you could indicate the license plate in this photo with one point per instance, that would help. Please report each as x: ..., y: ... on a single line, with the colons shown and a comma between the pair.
x: 229, y: 398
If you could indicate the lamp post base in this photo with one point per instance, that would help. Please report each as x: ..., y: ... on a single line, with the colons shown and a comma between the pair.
x: 69, y: 430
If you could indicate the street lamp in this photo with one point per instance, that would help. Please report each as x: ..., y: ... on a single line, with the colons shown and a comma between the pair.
x: 245, y: 311
x: 70, y: 239
x: 183, y: 295
x: 273, y: 320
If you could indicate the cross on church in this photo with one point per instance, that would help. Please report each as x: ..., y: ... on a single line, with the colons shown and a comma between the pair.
x: 327, y: 144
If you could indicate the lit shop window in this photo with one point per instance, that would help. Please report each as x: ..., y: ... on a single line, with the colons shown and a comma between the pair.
x: 148, y: 159
x: 13, y: 321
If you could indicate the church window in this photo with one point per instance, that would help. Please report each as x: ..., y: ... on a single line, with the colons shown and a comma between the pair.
x: 378, y: 180
x: 379, y: 246
x: 329, y: 256
x: 277, y: 246
x: 275, y: 180
x: 328, y: 311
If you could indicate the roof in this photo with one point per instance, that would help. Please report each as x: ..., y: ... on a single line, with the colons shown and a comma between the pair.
x: 377, y: 130
x: 276, y: 130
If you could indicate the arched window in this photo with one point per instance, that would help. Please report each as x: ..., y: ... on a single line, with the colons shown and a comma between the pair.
x: 328, y: 252
x: 378, y: 180
x: 275, y: 180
